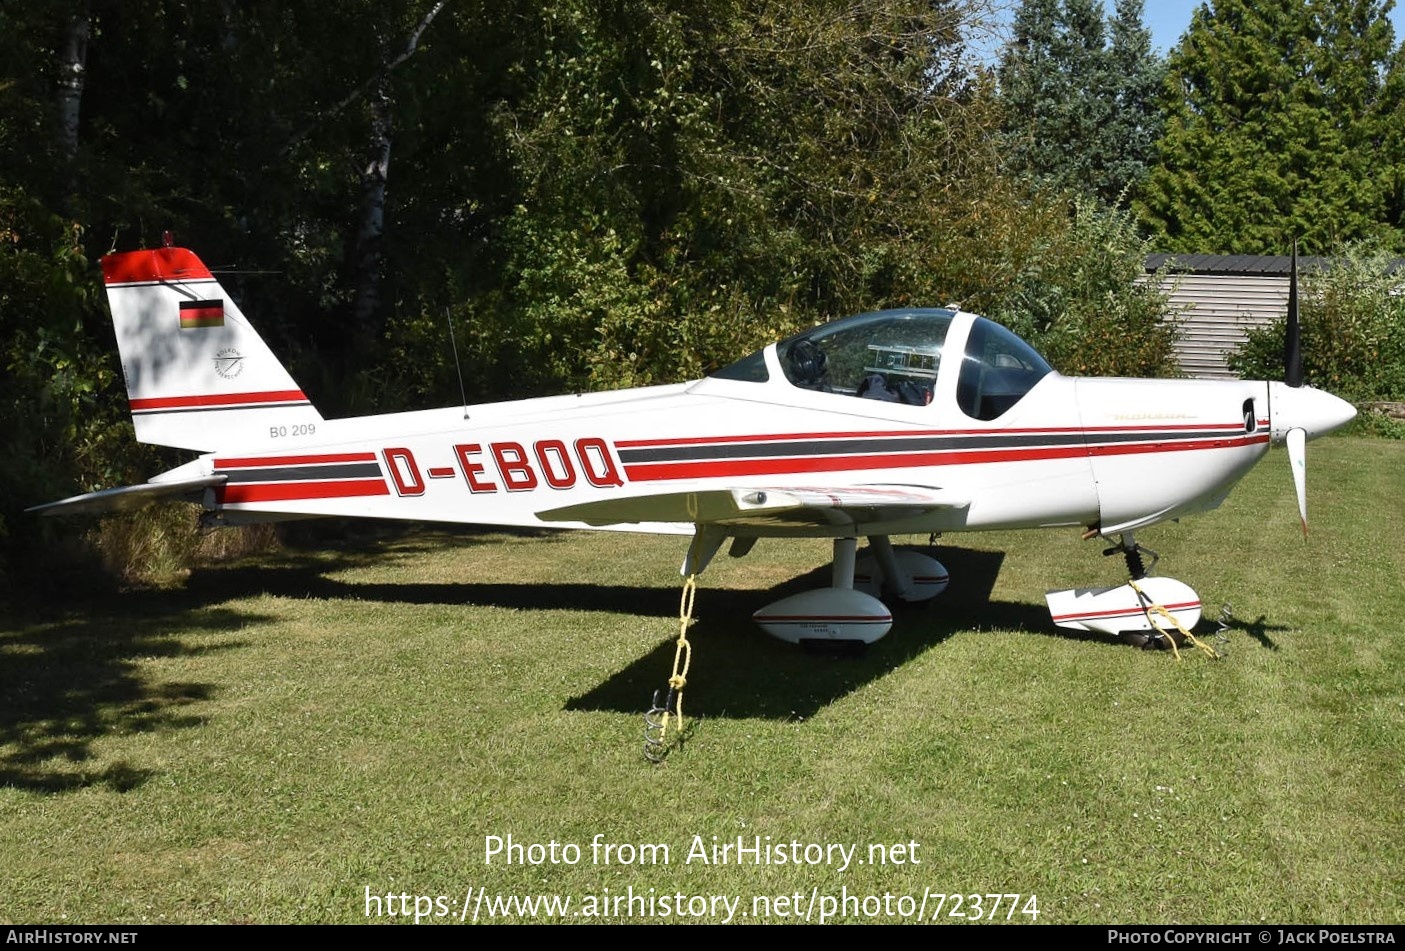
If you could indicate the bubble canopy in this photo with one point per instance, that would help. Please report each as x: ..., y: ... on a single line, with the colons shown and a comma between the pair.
x: 896, y: 356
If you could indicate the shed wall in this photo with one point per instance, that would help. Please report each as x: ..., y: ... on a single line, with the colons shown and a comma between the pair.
x: 1215, y: 312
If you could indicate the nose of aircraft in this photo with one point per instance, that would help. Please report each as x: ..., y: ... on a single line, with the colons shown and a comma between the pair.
x: 1302, y: 407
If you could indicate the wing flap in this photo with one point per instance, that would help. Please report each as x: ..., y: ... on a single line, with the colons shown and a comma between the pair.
x: 130, y: 497
x: 801, y: 505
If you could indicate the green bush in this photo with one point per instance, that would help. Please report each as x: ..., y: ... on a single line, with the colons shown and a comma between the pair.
x: 1083, y: 301
x: 1353, y: 330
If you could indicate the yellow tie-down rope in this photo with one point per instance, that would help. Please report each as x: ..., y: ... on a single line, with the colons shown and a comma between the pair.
x: 1150, y: 608
x: 683, y: 652
x: 656, y: 730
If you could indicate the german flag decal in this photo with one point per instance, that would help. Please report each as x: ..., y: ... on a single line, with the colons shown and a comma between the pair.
x: 201, y: 313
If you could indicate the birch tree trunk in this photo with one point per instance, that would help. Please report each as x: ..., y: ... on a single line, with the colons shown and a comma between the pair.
x: 369, y: 251
x: 369, y: 254
x: 73, y: 56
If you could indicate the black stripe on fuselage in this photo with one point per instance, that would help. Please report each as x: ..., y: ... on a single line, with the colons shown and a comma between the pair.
x: 354, y: 470
x: 897, y: 443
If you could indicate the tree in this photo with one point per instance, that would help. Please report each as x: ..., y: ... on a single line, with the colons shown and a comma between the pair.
x: 603, y: 192
x: 698, y: 181
x: 1079, y: 94
x: 1082, y: 301
x: 1137, y: 121
x: 121, y: 121
x: 1276, y: 118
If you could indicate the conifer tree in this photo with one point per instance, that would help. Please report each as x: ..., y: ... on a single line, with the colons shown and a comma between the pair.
x: 1276, y: 116
x: 1080, y: 96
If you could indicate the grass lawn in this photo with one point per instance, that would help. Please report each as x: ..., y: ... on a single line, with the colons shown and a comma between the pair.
x: 285, y: 736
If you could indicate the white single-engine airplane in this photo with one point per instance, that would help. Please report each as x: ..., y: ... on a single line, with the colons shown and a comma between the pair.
x: 902, y: 421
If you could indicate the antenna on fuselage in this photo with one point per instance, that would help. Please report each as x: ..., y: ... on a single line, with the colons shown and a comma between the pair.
x: 453, y: 345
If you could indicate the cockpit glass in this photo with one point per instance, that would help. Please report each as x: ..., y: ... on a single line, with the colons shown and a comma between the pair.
x: 750, y: 369
x: 891, y: 356
x: 997, y: 370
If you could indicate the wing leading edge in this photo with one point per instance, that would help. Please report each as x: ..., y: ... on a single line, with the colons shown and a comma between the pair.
x: 760, y: 505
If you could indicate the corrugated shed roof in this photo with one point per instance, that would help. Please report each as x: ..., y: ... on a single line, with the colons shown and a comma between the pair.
x: 1260, y: 264
x: 1274, y: 265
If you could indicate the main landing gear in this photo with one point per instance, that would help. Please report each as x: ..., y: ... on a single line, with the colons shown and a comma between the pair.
x: 849, y: 610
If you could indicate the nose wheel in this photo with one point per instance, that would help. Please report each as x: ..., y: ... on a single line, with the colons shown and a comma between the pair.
x: 1146, y: 611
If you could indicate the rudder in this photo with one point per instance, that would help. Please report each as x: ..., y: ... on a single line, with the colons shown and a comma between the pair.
x: 198, y: 375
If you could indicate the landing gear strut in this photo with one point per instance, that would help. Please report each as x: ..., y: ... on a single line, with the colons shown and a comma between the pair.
x: 1132, y: 554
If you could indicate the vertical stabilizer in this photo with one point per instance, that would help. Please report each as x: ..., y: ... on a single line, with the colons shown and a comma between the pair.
x: 198, y: 375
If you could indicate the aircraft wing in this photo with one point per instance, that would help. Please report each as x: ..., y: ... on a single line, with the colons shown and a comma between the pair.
x: 750, y: 505
x: 130, y: 497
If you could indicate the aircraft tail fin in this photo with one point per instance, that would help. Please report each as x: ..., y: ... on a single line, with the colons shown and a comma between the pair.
x: 198, y: 375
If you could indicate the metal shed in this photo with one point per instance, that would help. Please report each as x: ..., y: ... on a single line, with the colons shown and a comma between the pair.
x: 1217, y: 298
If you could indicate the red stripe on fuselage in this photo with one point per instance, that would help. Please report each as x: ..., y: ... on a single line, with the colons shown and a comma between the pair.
x: 655, y: 471
x: 217, y: 400
x: 1188, y: 445
x: 294, y: 491
x: 660, y: 471
x: 1237, y: 426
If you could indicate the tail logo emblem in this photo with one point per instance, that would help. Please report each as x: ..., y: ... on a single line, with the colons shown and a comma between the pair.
x: 229, y: 363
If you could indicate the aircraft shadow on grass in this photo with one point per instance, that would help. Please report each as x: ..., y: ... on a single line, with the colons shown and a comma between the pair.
x: 75, y: 679
x: 738, y: 671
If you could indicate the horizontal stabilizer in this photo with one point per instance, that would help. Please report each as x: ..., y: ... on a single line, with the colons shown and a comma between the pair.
x: 740, y: 506
x: 130, y: 497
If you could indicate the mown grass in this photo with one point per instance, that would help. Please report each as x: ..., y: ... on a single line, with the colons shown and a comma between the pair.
x: 283, y: 733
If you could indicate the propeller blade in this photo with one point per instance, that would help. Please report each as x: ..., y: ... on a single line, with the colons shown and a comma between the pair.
x: 1292, y: 342
x: 1297, y: 458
